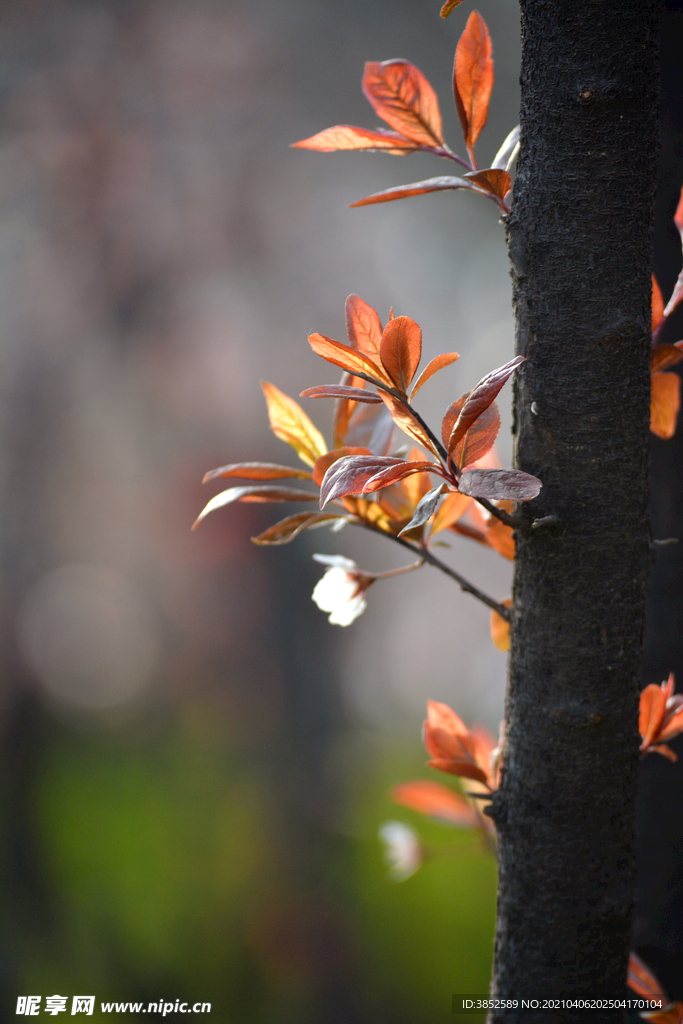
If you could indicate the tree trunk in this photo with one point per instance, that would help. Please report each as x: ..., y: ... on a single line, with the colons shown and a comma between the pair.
x: 580, y: 240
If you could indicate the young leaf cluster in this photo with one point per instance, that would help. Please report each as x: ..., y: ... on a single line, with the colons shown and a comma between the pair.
x: 401, y: 95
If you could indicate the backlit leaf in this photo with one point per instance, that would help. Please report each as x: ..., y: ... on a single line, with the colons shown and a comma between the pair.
x: 473, y: 77
x: 492, y: 180
x: 666, y: 355
x: 651, y: 713
x: 346, y: 136
x: 365, y: 474
x: 342, y: 391
x: 348, y: 358
x: 499, y: 483
x: 642, y: 980
x: 363, y: 327
x: 678, y: 216
x: 372, y: 427
x: 436, y: 801
x: 404, y: 419
x: 325, y: 461
x: 500, y: 629
x: 432, y: 367
x: 479, y: 439
x: 450, y: 744
x: 499, y: 535
x: 255, y: 471
x: 505, y: 157
x: 480, y: 398
x: 417, y: 188
x: 425, y: 509
x: 287, y: 529
x: 392, y: 475
x: 453, y: 506
x: 449, y: 6
x: 348, y: 475
x: 264, y: 493
x: 400, y: 350
x: 290, y: 423
x: 402, y: 96
x: 665, y: 400
x: 657, y: 304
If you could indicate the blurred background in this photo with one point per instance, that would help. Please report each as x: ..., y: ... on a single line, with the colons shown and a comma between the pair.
x: 196, y: 762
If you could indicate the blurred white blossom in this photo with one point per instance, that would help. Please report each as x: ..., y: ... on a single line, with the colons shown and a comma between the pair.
x: 341, y: 591
x: 403, y: 851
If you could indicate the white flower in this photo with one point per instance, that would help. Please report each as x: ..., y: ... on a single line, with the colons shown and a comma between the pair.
x: 341, y: 591
x: 403, y: 852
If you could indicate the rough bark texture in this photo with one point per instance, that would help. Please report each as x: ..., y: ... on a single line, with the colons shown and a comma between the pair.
x: 580, y: 239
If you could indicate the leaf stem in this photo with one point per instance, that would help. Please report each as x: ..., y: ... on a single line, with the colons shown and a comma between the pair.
x: 426, y: 556
x: 397, y: 572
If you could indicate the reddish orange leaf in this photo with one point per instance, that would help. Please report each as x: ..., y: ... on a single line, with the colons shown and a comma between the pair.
x: 415, y: 487
x: 342, y: 391
x: 678, y: 216
x: 343, y: 408
x: 287, y: 529
x: 450, y: 510
x: 325, y: 461
x: 665, y: 355
x: 673, y: 725
x: 493, y: 180
x: 436, y: 801
x: 674, y: 1015
x: 417, y: 188
x: 449, y: 6
x: 363, y: 327
x: 479, y: 439
x: 642, y: 981
x: 400, y: 350
x: 473, y: 77
x: 263, y: 493
x: 657, y: 303
x: 499, y: 483
x: 348, y: 358
x: 255, y: 471
x: 480, y: 398
x: 652, y: 711
x: 345, y: 136
x: 450, y: 744
x: 500, y: 536
x: 432, y: 367
x: 402, y: 96
x: 665, y: 400
x: 500, y: 629
x: 290, y: 423
x: 404, y: 419
x: 667, y: 752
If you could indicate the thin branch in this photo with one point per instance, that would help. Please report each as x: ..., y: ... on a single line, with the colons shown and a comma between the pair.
x: 427, y: 556
x: 510, y: 519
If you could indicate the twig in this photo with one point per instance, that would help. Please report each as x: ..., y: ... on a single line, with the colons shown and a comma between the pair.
x: 427, y: 556
x: 510, y: 519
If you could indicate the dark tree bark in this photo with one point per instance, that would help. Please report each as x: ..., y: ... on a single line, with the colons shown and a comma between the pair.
x: 580, y: 240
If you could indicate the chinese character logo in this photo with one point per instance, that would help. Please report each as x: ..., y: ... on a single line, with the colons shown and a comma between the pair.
x: 83, y: 1004
x: 29, y: 1005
